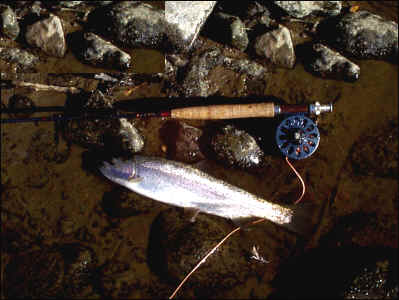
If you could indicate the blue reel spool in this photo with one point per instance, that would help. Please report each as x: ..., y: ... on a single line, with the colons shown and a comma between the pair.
x: 297, y: 137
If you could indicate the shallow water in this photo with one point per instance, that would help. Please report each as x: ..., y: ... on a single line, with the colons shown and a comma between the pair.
x: 47, y: 203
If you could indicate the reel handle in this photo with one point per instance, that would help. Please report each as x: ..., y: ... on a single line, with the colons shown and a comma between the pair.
x: 225, y: 111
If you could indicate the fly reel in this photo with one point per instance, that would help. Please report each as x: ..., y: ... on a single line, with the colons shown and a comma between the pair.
x: 297, y: 136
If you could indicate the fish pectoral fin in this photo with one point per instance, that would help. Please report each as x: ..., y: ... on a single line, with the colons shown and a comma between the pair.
x: 191, y: 213
x: 135, y: 179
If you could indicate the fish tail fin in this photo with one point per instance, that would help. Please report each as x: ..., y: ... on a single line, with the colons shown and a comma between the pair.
x: 303, y: 218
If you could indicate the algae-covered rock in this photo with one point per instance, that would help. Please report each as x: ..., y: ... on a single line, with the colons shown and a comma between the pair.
x: 362, y: 35
x: 301, y: 9
x: 236, y: 147
x: 130, y: 23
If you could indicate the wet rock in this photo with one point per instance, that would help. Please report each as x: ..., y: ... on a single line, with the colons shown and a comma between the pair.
x: 184, y: 20
x: 172, y: 63
x: 36, y: 8
x: 70, y: 3
x: 177, y: 60
x: 182, y: 141
x: 37, y: 274
x: 364, y: 273
x: 50, y: 272
x: 130, y: 136
x: 118, y: 136
x: 245, y: 66
x: 122, y: 203
x: 22, y: 58
x: 276, y: 46
x: 129, y: 23
x: 170, y: 70
x: 362, y: 35
x: 230, y: 30
x: 9, y: 23
x: 300, y: 9
x: 18, y: 101
x: 89, y: 133
x: 373, y: 282
x: 99, y: 52
x: 48, y: 35
x: 255, y: 8
x: 195, y: 82
x: 236, y: 147
x: 176, y: 246
x: 376, y: 152
x: 80, y: 262
x: 325, y: 62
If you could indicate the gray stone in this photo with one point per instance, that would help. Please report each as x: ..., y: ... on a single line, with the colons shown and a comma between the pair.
x: 98, y: 52
x: 328, y: 63
x: 236, y: 147
x: 255, y: 8
x: 276, y: 45
x: 9, y: 23
x: 70, y: 3
x: 130, y: 136
x: 195, y: 82
x: 300, y: 9
x: 47, y: 35
x: 229, y: 29
x: 246, y: 66
x: 24, y: 59
x: 184, y: 20
x: 130, y: 23
x: 363, y: 35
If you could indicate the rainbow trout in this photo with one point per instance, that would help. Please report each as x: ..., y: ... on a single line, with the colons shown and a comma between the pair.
x: 181, y: 185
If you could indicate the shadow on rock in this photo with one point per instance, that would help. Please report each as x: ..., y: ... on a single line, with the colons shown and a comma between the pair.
x: 339, y: 272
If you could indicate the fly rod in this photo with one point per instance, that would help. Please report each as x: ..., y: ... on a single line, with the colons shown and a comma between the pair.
x: 209, y: 112
x: 297, y: 136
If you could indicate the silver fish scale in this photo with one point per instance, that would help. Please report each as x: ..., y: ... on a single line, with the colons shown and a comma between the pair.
x: 182, y: 185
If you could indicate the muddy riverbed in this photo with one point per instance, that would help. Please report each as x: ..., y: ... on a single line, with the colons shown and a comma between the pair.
x: 127, y: 246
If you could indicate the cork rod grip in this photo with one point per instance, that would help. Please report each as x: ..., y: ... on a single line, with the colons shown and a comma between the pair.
x: 229, y: 111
